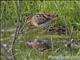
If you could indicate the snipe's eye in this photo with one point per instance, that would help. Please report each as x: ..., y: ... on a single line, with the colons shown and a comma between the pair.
x: 37, y: 16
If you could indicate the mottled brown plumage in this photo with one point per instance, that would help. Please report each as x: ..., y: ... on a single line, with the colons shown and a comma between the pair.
x: 42, y: 20
x: 40, y: 45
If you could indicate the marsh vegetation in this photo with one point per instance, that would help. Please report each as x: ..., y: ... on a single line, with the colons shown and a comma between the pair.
x: 11, y: 12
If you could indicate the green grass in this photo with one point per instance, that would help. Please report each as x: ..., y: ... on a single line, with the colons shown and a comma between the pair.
x: 69, y: 16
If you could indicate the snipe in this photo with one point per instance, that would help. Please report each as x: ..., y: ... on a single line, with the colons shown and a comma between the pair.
x: 39, y: 45
x: 41, y: 20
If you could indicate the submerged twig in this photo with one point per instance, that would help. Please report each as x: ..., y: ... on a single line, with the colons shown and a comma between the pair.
x: 2, y: 47
x: 5, y: 53
x: 5, y: 56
